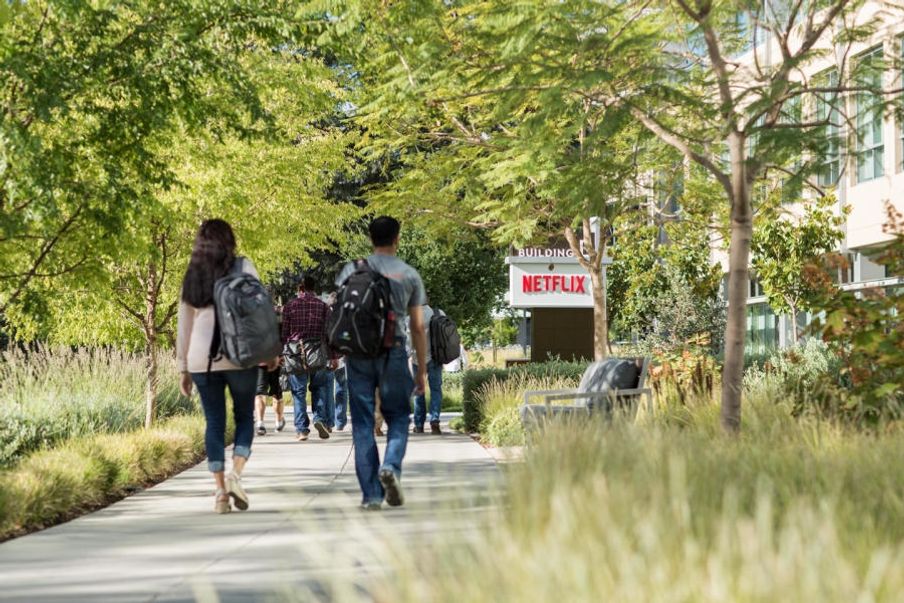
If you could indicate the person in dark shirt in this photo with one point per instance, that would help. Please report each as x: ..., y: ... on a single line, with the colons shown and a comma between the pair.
x: 304, y: 318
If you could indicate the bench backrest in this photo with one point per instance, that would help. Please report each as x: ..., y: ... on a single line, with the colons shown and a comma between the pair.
x: 615, y: 374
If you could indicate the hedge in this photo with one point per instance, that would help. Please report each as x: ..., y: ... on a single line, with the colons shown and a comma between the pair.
x: 474, y: 380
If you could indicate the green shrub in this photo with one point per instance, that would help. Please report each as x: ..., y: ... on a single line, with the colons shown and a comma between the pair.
x: 52, y: 485
x: 865, y: 329
x: 807, y: 376
x: 474, y: 380
x: 504, y: 428
x: 452, y: 392
x: 500, y: 401
x: 51, y: 395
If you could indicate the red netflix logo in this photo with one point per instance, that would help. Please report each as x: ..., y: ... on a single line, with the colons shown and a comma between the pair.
x: 553, y: 283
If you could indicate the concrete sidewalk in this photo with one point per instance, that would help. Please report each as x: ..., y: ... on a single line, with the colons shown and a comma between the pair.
x: 303, y: 538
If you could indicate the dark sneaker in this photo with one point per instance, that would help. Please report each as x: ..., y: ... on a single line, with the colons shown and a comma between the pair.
x: 321, y: 429
x: 371, y: 506
x: 329, y: 428
x: 392, y: 488
x: 340, y: 428
x: 418, y: 429
x: 301, y: 436
x: 280, y: 425
x: 261, y: 430
x: 434, y: 428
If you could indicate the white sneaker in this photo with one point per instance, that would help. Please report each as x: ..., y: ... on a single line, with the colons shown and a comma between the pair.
x: 236, y: 491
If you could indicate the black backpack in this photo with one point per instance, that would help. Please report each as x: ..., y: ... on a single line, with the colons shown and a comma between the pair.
x: 246, y: 331
x: 307, y: 356
x: 362, y: 323
x: 445, y: 342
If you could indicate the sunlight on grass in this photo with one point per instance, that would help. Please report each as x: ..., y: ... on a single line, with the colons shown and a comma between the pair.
x: 49, y: 395
x: 668, y: 509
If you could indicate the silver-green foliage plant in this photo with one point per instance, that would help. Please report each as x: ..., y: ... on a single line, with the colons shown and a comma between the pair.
x: 50, y: 395
x: 683, y: 318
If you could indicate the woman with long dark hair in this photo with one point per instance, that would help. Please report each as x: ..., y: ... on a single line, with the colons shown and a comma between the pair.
x: 213, y: 256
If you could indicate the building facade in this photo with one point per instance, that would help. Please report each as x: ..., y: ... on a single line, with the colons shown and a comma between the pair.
x: 864, y: 165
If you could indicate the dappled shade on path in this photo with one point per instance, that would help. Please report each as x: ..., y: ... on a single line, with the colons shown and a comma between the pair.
x: 304, y: 536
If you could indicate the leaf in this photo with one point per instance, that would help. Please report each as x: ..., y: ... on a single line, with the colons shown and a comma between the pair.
x: 886, y: 389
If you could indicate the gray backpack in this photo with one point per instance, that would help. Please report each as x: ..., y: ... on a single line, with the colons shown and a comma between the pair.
x: 246, y: 331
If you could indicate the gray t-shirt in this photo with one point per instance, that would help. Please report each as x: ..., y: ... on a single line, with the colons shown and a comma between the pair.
x: 407, y: 288
x: 428, y: 314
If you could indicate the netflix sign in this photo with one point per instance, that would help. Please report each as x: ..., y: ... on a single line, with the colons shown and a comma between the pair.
x: 548, y: 281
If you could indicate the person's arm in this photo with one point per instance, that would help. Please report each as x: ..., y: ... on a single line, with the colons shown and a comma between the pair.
x: 419, y: 339
x: 185, y: 324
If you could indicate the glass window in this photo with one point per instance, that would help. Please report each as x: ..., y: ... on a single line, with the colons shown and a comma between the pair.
x: 827, y: 109
x: 870, y: 147
x: 762, y: 329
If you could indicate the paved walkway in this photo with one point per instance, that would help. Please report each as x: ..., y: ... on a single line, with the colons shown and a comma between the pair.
x: 303, y: 539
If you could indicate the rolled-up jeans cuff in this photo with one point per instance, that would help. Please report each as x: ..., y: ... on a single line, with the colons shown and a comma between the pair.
x: 216, y: 466
x: 242, y: 451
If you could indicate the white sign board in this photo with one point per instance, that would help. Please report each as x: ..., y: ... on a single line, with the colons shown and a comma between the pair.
x: 554, y: 283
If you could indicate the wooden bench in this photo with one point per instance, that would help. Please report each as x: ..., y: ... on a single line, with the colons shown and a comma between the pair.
x: 607, y: 385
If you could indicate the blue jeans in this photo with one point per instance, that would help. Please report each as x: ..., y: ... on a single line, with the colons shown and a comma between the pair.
x: 392, y: 375
x: 212, y: 386
x: 329, y: 408
x: 341, y: 397
x: 318, y: 383
x: 435, y: 380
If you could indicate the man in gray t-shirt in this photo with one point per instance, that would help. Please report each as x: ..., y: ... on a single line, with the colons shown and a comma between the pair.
x: 389, y: 373
x: 406, y: 286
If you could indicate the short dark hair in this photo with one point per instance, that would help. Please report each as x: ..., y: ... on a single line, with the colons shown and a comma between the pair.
x: 307, y: 282
x: 384, y: 230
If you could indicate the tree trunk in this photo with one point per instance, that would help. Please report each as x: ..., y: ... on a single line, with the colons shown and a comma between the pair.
x: 150, y: 394
x: 795, y: 334
x: 150, y: 347
x: 591, y: 259
x: 600, y: 318
x: 738, y: 284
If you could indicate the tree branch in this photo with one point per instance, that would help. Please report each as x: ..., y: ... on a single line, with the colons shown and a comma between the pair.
x: 681, y: 145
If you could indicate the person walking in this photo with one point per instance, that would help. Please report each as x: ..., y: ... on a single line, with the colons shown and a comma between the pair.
x: 389, y: 373
x: 339, y: 387
x: 340, y: 394
x: 268, y: 386
x: 213, y: 256
x: 434, y: 380
x: 304, y: 319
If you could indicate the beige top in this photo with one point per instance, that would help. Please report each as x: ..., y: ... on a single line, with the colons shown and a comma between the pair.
x: 195, y: 334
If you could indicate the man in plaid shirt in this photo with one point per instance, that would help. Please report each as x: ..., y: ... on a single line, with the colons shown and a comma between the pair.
x: 304, y: 318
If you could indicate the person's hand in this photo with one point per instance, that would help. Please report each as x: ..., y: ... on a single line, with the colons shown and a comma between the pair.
x: 272, y: 364
x: 420, y: 382
x: 334, y: 364
x: 185, y: 384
